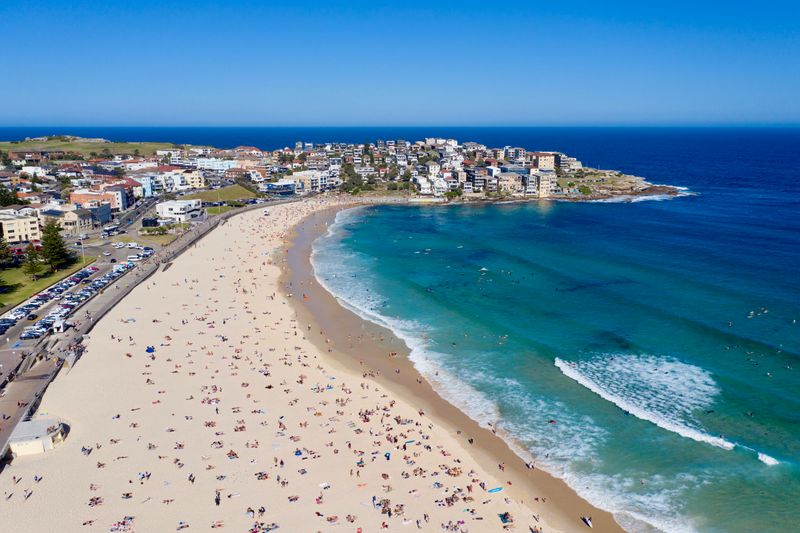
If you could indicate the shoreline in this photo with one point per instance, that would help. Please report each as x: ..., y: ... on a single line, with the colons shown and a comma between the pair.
x: 334, y: 331
x: 653, y: 192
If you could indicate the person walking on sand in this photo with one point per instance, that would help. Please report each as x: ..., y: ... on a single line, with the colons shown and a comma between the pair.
x: 217, y: 498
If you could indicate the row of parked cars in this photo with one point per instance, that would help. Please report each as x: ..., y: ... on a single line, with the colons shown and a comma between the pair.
x: 68, y: 299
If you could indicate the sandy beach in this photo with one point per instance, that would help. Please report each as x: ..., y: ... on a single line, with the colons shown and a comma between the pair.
x: 229, y: 391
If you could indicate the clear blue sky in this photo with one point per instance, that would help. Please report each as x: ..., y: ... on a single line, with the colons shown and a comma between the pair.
x: 406, y: 63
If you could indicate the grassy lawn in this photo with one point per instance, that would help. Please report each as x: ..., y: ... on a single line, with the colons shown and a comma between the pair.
x: 231, y: 192
x: 20, y: 287
x: 160, y: 240
x: 147, y: 240
x: 85, y: 148
x: 218, y: 210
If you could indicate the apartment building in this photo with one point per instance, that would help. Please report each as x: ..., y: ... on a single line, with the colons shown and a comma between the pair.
x: 180, y: 210
x: 16, y: 228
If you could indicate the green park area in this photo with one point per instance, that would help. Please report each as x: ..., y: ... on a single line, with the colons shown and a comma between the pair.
x: 17, y: 285
x: 41, y: 267
x: 88, y: 148
x: 155, y: 239
x: 219, y: 209
x: 224, y: 194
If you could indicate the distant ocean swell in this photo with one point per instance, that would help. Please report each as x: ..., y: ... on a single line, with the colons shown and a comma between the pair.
x: 346, y: 275
x: 682, y: 191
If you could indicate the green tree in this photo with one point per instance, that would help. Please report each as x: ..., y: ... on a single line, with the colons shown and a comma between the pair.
x: 9, y: 198
x: 54, y: 252
x: 5, y: 254
x: 31, y: 266
x: 350, y: 179
x: 452, y: 195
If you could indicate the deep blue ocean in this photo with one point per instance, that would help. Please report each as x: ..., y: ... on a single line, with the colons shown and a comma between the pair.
x: 646, y: 352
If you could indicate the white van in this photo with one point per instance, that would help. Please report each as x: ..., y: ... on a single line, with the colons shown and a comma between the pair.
x: 134, y: 258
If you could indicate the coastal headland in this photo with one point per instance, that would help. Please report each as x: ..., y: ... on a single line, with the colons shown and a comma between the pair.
x: 217, y: 395
x: 432, y: 168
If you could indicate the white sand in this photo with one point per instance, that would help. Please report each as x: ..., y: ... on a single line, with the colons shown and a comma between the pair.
x: 274, y: 392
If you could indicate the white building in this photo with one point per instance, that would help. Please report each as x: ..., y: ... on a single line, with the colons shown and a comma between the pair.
x: 439, y: 186
x: 311, y: 180
x: 180, y: 210
x: 36, y: 436
x: 215, y: 164
x: 16, y: 227
x: 33, y: 171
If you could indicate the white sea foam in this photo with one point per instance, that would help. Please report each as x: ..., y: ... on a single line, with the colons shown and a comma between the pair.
x: 767, y: 460
x: 634, y: 198
x: 663, y: 391
x: 660, y: 390
x: 638, y: 511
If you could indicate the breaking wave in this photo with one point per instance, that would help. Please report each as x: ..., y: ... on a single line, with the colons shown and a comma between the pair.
x: 661, y: 390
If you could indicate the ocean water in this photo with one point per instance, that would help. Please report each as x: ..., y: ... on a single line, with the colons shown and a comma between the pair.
x: 645, y: 352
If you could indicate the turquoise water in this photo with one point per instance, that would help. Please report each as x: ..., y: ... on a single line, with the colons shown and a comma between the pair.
x: 645, y: 352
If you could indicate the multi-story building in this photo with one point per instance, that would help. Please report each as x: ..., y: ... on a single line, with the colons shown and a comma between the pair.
x: 72, y: 221
x: 311, y: 180
x: 16, y: 228
x: 180, y: 210
x: 85, y: 196
x: 101, y: 213
x: 510, y: 183
x: 547, y: 183
x: 215, y: 164
x: 542, y: 160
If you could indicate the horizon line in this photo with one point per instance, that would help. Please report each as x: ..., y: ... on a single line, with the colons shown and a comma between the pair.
x: 787, y: 125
